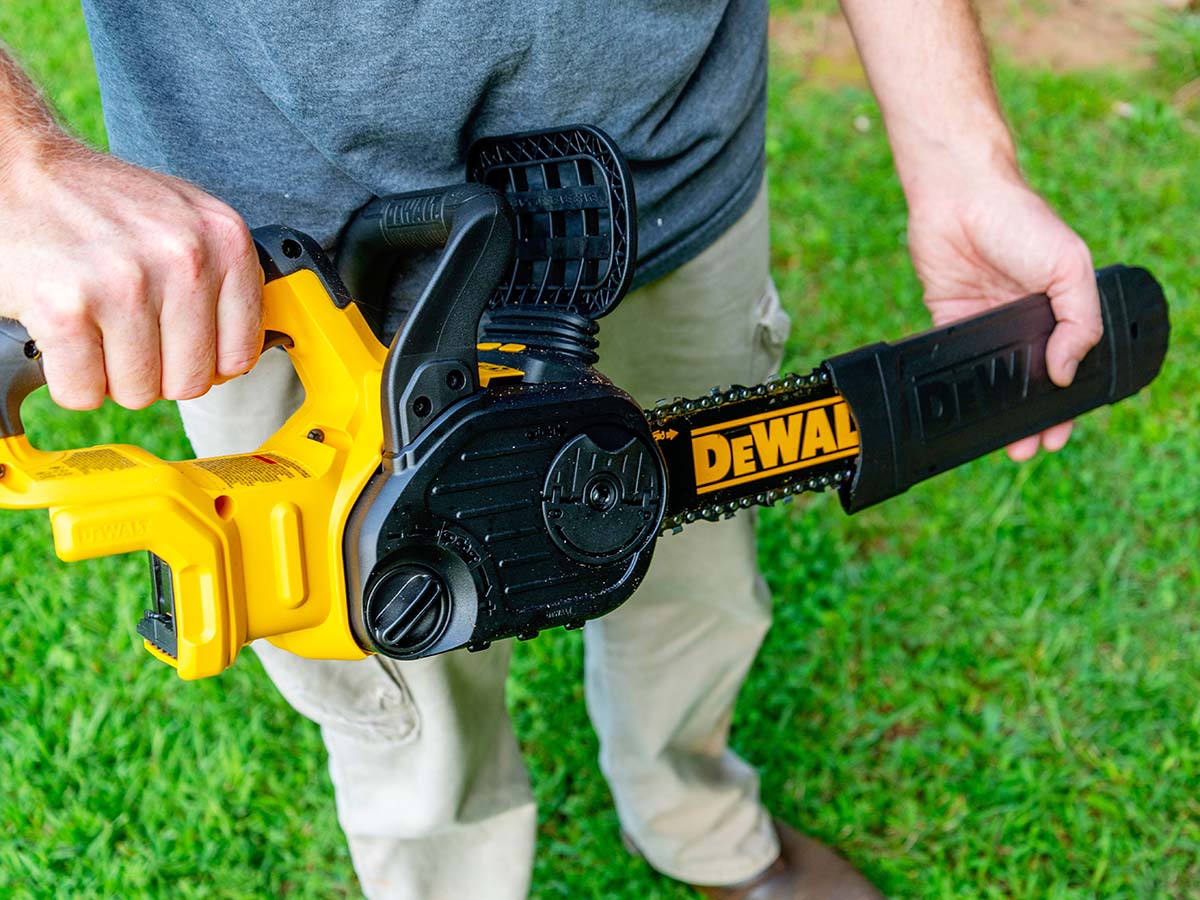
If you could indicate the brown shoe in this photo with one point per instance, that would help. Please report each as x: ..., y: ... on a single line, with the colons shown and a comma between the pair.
x: 805, y: 870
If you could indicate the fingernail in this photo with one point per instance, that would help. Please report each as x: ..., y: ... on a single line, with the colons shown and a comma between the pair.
x: 1070, y: 367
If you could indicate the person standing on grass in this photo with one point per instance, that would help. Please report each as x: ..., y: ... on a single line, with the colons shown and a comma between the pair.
x: 139, y: 283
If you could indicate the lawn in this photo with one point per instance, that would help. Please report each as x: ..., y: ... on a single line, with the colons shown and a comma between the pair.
x: 985, y: 688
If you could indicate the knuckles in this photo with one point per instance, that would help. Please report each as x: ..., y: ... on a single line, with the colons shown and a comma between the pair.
x: 59, y: 314
x: 122, y: 287
x: 1092, y: 334
x: 230, y: 235
x: 188, y: 379
x: 234, y: 363
x: 134, y: 399
x: 78, y: 392
x: 75, y: 400
x: 1081, y: 258
x: 188, y: 391
x: 80, y: 299
x: 182, y: 256
x: 137, y: 385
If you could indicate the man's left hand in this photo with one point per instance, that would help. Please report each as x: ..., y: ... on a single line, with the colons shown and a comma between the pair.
x: 994, y: 243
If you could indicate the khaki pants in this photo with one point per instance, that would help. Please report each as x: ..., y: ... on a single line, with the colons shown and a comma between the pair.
x: 431, y: 790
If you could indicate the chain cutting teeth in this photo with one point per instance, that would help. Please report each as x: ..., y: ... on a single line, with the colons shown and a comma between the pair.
x: 786, y: 493
x: 665, y: 412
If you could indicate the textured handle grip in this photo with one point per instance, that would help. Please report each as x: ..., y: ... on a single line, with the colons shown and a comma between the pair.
x: 936, y: 400
x: 388, y: 228
x: 20, y: 374
x: 415, y: 222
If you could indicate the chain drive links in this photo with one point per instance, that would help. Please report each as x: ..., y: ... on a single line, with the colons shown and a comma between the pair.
x: 674, y: 415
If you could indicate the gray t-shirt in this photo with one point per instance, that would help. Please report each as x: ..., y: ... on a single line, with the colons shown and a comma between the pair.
x: 299, y: 111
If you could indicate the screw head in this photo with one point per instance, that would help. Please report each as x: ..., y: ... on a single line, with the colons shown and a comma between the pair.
x: 602, y: 492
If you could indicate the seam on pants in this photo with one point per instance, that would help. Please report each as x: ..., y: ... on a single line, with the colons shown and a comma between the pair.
x: 773, y: 327
x: 362, y: 700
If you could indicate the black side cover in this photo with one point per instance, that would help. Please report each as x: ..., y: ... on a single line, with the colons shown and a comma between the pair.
x: 936, y: 400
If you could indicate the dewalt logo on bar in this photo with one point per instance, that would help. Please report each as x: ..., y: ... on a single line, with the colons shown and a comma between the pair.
x: 962, y: 395
x: 772, y: 443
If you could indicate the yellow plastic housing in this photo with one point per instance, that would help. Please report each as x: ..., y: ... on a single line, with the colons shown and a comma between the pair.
x: 254, y: 541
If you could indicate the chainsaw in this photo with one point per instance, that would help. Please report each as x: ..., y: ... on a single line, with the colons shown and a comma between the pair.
x: 472, y: 476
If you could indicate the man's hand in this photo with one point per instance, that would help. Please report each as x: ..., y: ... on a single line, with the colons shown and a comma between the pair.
x: 132, y: 283
x: 998, y: 242
x: 979, y: 237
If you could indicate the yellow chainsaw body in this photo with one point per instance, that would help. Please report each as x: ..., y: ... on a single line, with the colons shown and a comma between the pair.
x: 253, y: 541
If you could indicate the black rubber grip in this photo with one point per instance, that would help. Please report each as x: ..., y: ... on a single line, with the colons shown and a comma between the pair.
x: 20, y: 374
x: 388, y: 228
x: 936, y: 400
x: 414, y: 221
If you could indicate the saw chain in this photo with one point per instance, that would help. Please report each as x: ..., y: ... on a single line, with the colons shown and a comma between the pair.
x: 752, y: 446
x: 470, y: 476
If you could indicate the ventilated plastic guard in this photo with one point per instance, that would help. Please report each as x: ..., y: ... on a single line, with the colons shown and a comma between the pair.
x: 576, y: 238
x: 936, y: 400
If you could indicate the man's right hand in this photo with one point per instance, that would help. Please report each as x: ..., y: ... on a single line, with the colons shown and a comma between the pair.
x: 132, y: 283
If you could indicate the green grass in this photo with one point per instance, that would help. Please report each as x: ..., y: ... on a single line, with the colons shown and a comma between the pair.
x: 985, y: 688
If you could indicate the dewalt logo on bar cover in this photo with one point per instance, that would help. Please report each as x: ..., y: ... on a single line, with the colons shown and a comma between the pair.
x: 772, y: 443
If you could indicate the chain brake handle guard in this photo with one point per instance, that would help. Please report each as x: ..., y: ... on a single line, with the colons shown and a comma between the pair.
x: 544, y: 229
x: 572, y: 196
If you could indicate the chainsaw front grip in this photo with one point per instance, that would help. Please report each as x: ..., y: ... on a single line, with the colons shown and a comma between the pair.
x: 936, y: 400
x: 20, y: 374
x: 387, y: 228
x: 432, y: 361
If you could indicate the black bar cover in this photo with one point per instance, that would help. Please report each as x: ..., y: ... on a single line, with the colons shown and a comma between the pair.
x: 936, y: 400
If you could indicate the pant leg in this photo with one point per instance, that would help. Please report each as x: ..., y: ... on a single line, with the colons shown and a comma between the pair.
x: 664, y: 670
x: 431, y: 790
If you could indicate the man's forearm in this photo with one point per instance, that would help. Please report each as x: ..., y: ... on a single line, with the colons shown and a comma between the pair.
x: 27, y: 124
x: 927, y: 64
x: 132, y: 283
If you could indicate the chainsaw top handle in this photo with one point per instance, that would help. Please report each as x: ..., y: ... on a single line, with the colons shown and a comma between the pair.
x: 543, y: 236
x: 432, y: 361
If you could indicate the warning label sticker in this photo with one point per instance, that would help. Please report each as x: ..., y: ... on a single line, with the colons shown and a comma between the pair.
x: 251, y: 469
x: 85, y: 462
